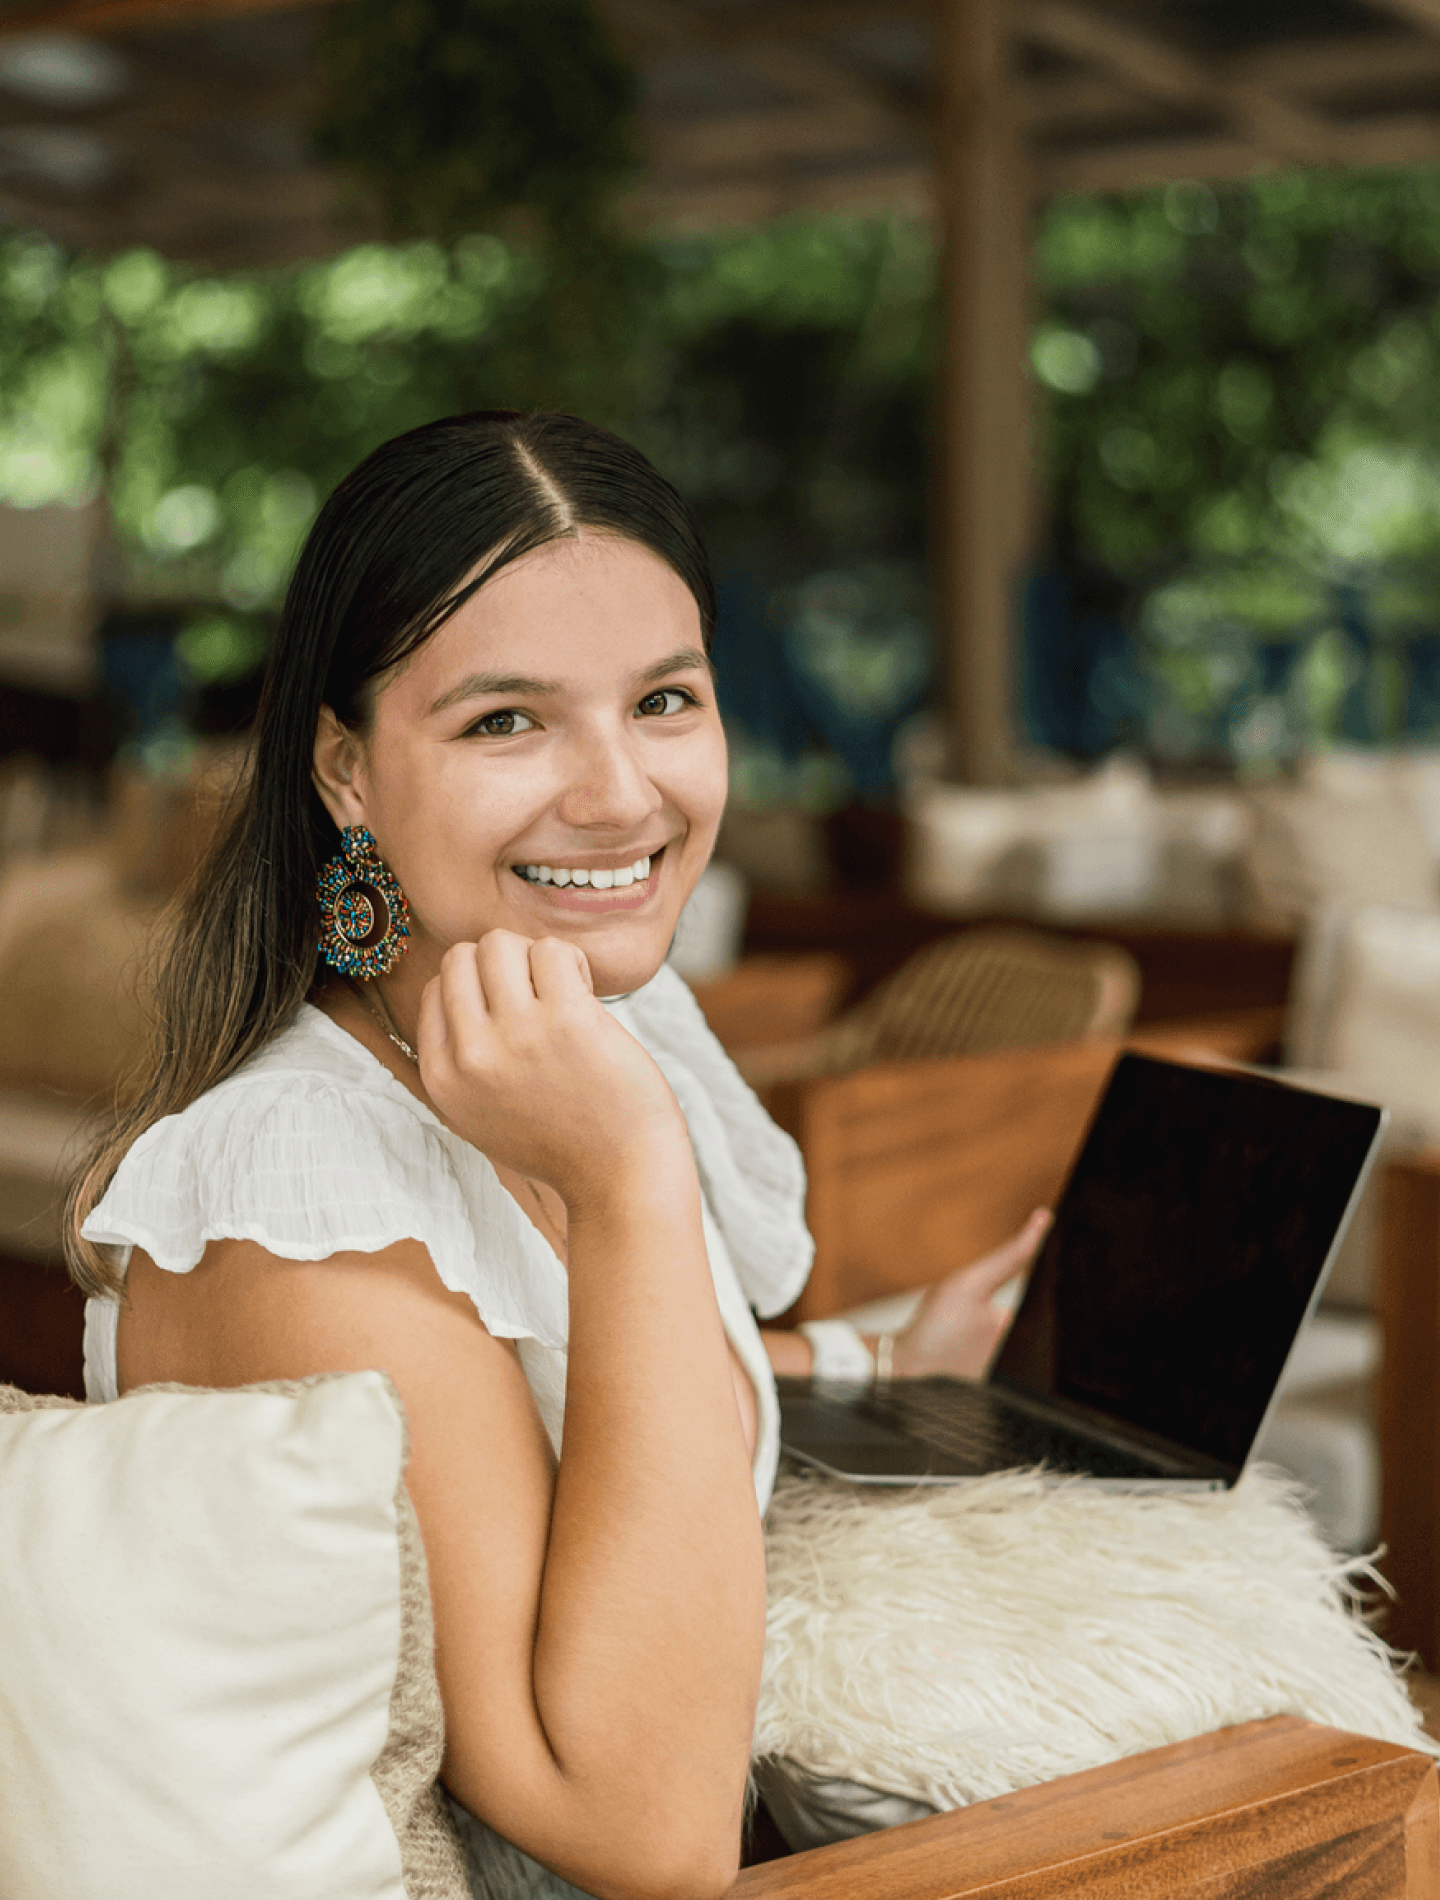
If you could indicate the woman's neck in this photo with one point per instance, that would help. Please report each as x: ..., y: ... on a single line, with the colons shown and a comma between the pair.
x: 540, y: 1204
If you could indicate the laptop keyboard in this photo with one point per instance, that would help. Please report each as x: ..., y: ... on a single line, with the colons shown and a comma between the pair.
x: 969, y: 1424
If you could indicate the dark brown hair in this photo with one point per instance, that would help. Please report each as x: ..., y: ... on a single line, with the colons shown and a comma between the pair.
x: 401, y: 544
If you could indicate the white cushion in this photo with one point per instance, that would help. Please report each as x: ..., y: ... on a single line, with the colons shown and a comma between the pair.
x: 1346, y: 833
x: 1386, y: 1013
x: 216, y: 1657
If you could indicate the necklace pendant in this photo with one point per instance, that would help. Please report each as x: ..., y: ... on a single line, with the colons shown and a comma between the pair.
x: 385, y: 1020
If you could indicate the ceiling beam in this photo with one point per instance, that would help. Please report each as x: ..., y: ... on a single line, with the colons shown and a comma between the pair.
x: 798, y: 68
x: 1311, y: 68
x: 1141, y: 164
x: 124, y: 16
x: 792, y: 63
x: 1156, y: 68
x: 751, y: 140
x: 1348, y: 68
x: 1073, y: 98
x: 1422, y: 13
x: 907, y: 189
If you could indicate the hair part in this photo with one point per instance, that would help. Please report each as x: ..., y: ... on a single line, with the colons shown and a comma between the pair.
x: 398, y: 548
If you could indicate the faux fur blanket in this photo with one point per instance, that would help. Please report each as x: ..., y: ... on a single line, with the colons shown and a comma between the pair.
x: 956, y: 1643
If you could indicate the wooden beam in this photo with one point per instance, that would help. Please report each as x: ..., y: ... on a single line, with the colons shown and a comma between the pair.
x: 983, y: 518
x: 1141, y: 164
x: 1142, y: 61
x: 754, y: 140
x: 1422, y: 13
x: 124, y: 16
x: 1097, y: 102
x: 906, y: 189
x: 1074, y: 97
x: 1154, y: 67
x: 1409, y: 1403
x: 1314, y: 69
x: 796, y: 67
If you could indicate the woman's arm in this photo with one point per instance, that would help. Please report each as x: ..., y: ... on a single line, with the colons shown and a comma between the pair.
x: 599, y: 1627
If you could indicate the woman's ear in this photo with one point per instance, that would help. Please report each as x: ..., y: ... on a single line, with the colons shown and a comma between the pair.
x: 336, y: 771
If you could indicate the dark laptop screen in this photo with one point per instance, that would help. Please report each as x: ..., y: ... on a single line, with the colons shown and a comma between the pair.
x: 1185, y: 1251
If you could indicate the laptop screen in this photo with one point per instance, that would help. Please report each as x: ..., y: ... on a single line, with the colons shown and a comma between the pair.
x: 1185, y: 1251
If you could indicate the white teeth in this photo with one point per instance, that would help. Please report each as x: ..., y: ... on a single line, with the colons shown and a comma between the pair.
x: 620, y: 880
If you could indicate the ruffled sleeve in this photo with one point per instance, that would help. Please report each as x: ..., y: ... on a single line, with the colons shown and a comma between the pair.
x: 307, y: 1166
x: 751, y: 1171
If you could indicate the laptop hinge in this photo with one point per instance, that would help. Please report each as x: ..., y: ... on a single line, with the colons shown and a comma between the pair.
x: 1129, y: 1438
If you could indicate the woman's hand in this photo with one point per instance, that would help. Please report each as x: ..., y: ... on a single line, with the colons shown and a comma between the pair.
x: 526, y: 1064
x: 957, y: 1326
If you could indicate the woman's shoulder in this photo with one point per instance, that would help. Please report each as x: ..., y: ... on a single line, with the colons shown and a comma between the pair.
x: 312, y: 1085
x: 313, y: 1049
x: 313, y: 1148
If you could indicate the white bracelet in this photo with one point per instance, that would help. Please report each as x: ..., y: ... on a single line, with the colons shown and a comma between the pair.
x: 838, y: 1350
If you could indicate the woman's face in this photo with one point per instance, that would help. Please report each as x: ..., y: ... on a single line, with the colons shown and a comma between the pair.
x: 551, y: 761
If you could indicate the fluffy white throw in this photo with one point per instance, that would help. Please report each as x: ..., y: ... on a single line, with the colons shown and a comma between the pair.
x: 956, y: 1643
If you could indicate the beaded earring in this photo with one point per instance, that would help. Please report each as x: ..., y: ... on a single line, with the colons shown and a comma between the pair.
x: 364, y: 919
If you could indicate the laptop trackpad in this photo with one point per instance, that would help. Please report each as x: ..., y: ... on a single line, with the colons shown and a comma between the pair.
x: 846, y: 1440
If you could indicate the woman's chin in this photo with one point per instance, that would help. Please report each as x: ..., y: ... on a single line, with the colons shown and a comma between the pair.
x: 617, y: 973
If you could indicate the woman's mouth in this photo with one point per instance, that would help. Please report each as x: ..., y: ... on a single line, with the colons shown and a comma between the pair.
x: 624, y: 877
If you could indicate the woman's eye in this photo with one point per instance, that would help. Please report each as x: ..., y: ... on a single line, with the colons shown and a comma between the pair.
x: 668, y: 700
x: 501, y: 725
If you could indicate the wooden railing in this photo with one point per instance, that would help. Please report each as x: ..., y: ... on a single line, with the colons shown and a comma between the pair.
x: 1277, y: 1810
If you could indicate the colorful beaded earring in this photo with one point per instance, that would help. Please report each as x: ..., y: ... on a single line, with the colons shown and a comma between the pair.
x: 364, y: 919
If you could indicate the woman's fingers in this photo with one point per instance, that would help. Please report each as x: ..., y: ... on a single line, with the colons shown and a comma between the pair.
x: 559, y: 969
x: 992, y: 1270
x: 503, y: 960
x: 490, y: 997
x: 430, y: 1027
x: 957, y: 1327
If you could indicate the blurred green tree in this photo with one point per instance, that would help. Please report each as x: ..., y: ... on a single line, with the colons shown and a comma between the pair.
x: 1242, y: 416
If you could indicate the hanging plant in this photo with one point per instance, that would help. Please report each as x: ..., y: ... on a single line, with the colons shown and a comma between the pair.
x: 460, y: 114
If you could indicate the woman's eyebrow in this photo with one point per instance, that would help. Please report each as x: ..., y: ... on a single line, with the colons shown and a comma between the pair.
x: 682, y: 662
x: 486, y: 685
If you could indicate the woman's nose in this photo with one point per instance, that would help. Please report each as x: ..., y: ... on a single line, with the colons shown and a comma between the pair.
x: 609, y: 785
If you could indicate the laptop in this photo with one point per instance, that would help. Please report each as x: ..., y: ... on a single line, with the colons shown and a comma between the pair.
x: 1190, y: 1243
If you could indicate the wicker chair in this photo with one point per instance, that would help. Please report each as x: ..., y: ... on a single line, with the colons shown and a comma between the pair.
x: 968, y: 994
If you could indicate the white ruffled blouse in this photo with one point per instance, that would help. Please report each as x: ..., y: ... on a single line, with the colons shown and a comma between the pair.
x: 314, y: 1148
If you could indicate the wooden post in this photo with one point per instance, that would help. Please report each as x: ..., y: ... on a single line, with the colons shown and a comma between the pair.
x: 1409, y: 1407
x: 986, y: 488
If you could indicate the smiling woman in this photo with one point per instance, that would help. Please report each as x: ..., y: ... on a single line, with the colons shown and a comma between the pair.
x: 513, y: 799
x: 425, y: 1097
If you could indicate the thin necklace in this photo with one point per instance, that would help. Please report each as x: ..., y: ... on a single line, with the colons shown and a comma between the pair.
x: 386, y: 1021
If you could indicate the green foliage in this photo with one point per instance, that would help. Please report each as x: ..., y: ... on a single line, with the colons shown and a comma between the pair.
x: 1241, y: 395
x: 1244, y: 421
x: 790, y: 399
x: 778, y: 376
x: 459, y: 113
x: 1245, y: 373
